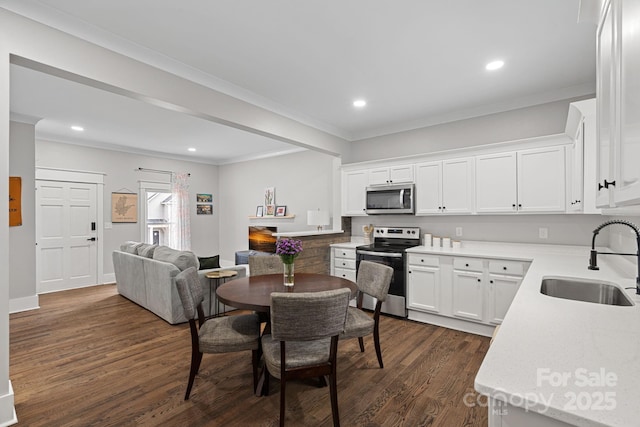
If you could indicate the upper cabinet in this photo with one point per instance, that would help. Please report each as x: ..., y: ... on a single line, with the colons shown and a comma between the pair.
x: 521, y: 181
x: 391, y: 175
x: 445, y: 187
x: 618, y: 110
x: 354, y: 188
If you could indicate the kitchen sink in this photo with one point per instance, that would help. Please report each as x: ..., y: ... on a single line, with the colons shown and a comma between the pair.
x: 585, y: 290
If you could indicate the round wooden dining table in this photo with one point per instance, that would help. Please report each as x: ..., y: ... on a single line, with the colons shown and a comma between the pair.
x: 254, y: 292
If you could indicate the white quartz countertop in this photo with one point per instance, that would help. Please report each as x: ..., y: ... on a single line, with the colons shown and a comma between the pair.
x: 573, y: 361
x: 307, y: 233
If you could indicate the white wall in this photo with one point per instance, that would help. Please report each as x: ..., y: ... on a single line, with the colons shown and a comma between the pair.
x: 621, y: 239
x: 22, y: 239
x: 118, y: 168
x: 539, y: 120
x: 303, y: 181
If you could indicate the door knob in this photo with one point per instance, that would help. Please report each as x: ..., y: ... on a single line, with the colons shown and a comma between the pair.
x: 93, y: 239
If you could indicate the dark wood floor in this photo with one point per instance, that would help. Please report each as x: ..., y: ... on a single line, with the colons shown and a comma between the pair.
x: 90, y: 357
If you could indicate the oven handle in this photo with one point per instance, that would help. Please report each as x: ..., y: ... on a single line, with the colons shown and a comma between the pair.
x: 381, y: 254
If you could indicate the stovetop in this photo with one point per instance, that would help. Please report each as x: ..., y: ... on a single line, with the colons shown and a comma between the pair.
x: 393, y: 239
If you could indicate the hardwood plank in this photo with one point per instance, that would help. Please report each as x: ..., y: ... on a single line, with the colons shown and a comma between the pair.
x: 89, y: 357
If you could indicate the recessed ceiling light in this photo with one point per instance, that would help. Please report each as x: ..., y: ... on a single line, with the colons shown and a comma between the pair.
x: 191, y: 149
x: 494, y: 65
x: 77, y: 128
x: 359, y: 103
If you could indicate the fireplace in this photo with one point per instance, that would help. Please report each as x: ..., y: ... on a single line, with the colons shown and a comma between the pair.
x: 261, y: 239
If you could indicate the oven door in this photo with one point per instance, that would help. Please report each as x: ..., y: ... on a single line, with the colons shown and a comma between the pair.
x: 395, y: 303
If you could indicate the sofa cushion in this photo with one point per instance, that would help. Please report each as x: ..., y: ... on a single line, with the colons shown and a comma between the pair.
x: 146, y: 250
x: 130, y: 247
x: 181, y: 259
x: 209, y: 262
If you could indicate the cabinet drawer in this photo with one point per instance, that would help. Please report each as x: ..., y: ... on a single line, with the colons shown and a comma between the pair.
x: 345, y: 273
x: 513, y: 268
x: 345, y: 263
x: 467, y: 264
x: 345, y: 253
x: 428, y: 260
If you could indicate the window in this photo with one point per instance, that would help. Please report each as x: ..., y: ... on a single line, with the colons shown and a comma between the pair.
x: 155, y: 212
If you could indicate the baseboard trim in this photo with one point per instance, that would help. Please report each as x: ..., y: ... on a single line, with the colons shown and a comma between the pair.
x: 452, y: 323
x: 108, y: 278
x: 8, y: 416
x: 17, y: 305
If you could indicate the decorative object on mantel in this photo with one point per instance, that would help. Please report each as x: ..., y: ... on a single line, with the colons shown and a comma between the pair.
x: 367, y: 231
x: 15, y: 201
x: 281, y: 210
x: 259, y: 211
x: 124, y: 207
x: 288, y: 250
x: 270, y: 201
x: 318, y: 218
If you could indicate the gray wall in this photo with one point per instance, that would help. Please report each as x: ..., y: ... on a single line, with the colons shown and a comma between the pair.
x: 303, y: 181
x: 539, y: 120
x: 622, y: 239
x: 119, y: 174
x: 22, y: 274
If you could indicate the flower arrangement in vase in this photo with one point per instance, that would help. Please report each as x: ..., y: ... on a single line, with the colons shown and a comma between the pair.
x: 288, y: 250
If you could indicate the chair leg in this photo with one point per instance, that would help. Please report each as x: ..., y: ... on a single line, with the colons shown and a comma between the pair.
x: 255, y: 359
x: 361, y: 341
x: 333, y: 391
x: 322, y: 381
x: 376, y: 341
x: 283, y: 388
x: 196, y: 358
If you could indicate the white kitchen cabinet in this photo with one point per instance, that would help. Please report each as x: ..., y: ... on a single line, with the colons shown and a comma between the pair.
x: 496, y: 187
x: 354, y: 192
x: 445, y: 187
x: 521, y: 181
x: 391, y: 175
x: 541, y: 179
x: 500, y: 293
x: 423, y: 283
x: 343, y: 263
x: 468, y: 295
x: 575, y: 163
x: 618, y: 91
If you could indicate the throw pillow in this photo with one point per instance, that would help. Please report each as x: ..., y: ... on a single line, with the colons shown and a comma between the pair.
x: 130, y: 247
x: 147, y: 250
x: 207, y: 263
x: 181, y: 259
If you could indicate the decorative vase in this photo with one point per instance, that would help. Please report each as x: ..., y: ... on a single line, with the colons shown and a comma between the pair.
x: 288, y: 274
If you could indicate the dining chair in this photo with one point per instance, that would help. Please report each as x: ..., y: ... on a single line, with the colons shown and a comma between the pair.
x: 265, y: 264
x: 374, y: 280
x: 215, y: 335
x: 304, y: 339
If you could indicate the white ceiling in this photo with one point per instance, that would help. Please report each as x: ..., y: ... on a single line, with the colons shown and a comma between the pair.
x: 416, y: 62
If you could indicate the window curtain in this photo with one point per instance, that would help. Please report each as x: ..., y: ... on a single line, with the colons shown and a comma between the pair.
x: 180, y: 236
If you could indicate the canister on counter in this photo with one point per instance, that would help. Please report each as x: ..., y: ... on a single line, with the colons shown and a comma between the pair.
x: 436, y: 242
x: 446, y: 242
x: 426, y: 241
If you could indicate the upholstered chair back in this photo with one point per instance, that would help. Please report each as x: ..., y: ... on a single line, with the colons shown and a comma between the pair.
x: 270, y: 264
x: 307, y: 316
x: 190, y: 291
x: 374, y: 279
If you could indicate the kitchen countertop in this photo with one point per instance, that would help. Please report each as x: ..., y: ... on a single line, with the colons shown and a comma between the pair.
x: 573, y: 361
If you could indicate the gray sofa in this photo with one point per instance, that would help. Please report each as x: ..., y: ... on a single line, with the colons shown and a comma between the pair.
x: 145, y: 274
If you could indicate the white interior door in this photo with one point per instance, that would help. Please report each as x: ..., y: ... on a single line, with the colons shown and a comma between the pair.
x: 66, y: 221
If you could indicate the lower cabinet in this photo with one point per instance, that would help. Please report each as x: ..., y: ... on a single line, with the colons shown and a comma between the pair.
x: 343, y: 263
x: 470, y: 294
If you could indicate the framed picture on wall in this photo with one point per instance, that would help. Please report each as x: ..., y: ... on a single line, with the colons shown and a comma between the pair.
x: 281, y: 210
x: 124, y: 207
x: 204, y: 198
x: 204, y: 210
x: 260, y: 210
x: 269, y: 210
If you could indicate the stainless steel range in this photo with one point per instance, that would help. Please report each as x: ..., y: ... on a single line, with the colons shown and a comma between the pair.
x: 389, y: 248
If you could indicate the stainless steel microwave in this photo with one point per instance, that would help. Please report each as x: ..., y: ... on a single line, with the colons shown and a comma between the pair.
x: 390, y: 199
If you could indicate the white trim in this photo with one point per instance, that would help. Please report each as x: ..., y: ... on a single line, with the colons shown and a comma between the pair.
x: 16, y: 305
x: 7, y: 410
x: 68, y: 175
x: 143, y: 187
x: 109, y: 278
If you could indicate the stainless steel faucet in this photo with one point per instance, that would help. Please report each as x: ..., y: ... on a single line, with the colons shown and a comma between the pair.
x: 593, y: 260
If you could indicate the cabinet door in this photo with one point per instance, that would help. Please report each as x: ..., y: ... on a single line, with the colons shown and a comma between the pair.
x: 429, y: 188
x: 354, y: 186
x: 541, y: 180
x: 379, y: 176
x: 627, y: 189
x: 575, y: 187
x: 401, y: 174
x: 605, y: 98
x: 467, y: 295
x: 423, y: 291
x: 501, y: 291
x: 457, y: 185
x: 496, y: 183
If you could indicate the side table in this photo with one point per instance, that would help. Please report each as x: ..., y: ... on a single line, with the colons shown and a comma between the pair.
x: 217, y: 278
